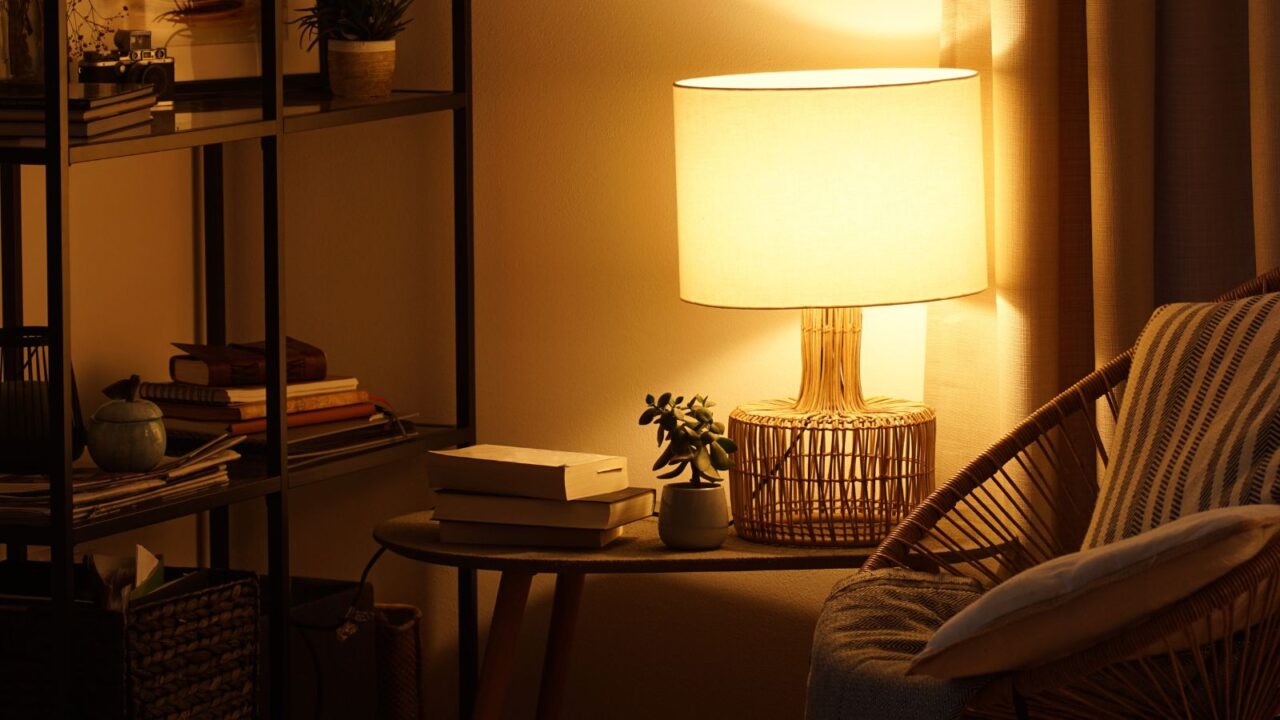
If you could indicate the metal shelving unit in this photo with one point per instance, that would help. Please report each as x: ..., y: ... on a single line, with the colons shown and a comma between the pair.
x: 204, y: 117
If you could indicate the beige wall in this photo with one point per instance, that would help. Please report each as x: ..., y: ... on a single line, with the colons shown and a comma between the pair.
x: 577, y: 310
x: 579, y: 315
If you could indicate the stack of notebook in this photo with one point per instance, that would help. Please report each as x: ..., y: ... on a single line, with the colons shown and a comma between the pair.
x: 499, y: 495
x: 96, y: 493
x: 93, y: 109
x: 220, y: 390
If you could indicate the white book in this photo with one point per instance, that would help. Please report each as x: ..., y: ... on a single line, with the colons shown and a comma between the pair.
x: 598, y: 512
x: 526, y: 472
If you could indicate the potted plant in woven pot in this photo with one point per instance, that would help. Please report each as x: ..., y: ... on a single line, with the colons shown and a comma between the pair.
x: 360, y: 39
x: 692, y: 515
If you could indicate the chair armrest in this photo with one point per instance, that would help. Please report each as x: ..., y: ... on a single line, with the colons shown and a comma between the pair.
x: 1027, y: 499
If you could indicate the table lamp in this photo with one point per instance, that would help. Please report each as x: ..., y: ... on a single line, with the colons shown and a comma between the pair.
x: 829, y: 191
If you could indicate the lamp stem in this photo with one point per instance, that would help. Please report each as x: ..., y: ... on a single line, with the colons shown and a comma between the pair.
x: 830, y: 347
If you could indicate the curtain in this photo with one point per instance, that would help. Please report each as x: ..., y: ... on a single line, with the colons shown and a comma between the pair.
x: 1133, y: 159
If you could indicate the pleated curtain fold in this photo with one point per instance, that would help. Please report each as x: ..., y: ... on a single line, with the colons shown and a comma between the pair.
x: 1133, y: 159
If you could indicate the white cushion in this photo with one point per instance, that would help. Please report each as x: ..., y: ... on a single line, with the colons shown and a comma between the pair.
x: 1077, y: 600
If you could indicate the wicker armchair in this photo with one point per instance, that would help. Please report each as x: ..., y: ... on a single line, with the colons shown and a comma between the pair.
x: 1028, y: 499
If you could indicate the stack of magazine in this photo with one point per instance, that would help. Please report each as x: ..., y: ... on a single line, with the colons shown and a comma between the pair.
x: 96, y: 493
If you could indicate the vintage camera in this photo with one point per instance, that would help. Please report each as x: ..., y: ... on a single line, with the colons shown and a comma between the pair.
x: 133, y: 61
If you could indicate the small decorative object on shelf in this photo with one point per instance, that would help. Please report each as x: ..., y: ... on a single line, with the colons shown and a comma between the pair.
x: 132, y: 61
x: 25, y: 445
x: 127, y: 433
x: 693, y: 515
x: 360, y: 39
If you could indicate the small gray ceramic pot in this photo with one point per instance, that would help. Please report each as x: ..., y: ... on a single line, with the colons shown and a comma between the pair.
x: 693, y: 517
x: 127, y: 436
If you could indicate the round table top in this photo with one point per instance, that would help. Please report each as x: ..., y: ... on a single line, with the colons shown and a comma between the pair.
x: 638, y: 551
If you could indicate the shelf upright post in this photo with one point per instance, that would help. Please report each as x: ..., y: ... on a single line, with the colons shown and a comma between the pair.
x: 464, y: 325
x: 58, y: 285
x: 274, y: 292
x: 11, y: 284
x: 215, y: 311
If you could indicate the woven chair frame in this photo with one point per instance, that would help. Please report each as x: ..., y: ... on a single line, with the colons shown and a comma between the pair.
x: 1029, y: 499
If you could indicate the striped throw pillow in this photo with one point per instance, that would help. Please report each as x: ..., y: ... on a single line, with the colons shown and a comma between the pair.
x: 1199, y: 424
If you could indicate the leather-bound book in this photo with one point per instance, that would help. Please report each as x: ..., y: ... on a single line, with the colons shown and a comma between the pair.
x: 243, y: 364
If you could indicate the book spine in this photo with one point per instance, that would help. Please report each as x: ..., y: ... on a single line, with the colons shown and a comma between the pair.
x: 182, y: 393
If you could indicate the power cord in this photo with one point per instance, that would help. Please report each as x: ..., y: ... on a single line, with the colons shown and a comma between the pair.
x: 343, y: 630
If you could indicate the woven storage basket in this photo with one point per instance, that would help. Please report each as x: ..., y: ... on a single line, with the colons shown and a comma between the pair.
x: 193, y: 655
x: 399, y: 662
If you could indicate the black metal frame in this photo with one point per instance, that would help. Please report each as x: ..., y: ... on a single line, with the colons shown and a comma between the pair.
x: 273, y: 482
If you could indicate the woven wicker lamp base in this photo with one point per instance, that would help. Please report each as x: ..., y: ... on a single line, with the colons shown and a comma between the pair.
x: 829, y: 468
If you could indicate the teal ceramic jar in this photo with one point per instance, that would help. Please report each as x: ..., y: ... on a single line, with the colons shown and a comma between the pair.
x: 127, y: 435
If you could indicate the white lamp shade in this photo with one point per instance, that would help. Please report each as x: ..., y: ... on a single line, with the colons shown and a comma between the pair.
x: 830, y: 188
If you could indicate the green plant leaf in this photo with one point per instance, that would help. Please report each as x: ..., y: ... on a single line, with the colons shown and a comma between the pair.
x: 662, y: 434
x: 729, y: 445
x: 702, y: 461
x: 648, y: 399
x: 665, y: 457
x: 717, y: 428
x: 649, y: 415
x: 720, y: 459
x: 664, y: 399
x: 674, y: 473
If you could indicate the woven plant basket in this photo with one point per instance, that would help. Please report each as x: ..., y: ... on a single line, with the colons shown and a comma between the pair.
x: 361, y: 68
x: 399, y: 662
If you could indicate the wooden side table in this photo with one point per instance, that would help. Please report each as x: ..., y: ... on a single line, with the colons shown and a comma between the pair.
x: 639, y: 551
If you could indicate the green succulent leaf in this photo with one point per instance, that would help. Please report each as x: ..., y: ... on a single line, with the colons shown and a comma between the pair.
x: 720, y: 459
x: 667, y: 454
x: 674, y: 473
x: 664, y: 399
x: 729, y: 445
x: 649, y: 415
x: 648, y: 399
x: 702, y: 461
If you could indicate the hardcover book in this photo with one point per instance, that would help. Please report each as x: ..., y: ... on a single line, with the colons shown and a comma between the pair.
x: 215, y: 428
x: 201, y: 395
x: 598, y: 512
x: 80, y: 96
x: 526, y: 472
x: 253, y: 411
x: 469, y: 533
x: 243, y: 364
x: 80, y: 114
x: 83, y: 129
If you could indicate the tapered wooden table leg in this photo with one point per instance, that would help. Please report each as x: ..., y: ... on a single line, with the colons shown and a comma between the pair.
x: 555, y: 668
x: 500, y: 650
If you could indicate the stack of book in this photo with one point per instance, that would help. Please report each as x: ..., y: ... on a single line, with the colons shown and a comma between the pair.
x: 220, y: 390
x: 499, y: 495
x: 96, y: 493
x: 93, y: 109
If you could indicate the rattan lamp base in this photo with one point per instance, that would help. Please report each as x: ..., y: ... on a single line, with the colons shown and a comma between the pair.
x: 829, y: 479
x: 829, y: 467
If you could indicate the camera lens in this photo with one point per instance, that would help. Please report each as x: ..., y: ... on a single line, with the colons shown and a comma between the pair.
x: 134, y: 55
x: 156, y: 75
x: 161, y: 53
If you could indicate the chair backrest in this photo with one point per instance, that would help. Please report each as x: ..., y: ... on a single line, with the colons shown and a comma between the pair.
x: 1030, y: 496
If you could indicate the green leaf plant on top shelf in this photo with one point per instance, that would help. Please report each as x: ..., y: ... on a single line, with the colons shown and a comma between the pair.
x: 360, y: 41
x: 693, y: 515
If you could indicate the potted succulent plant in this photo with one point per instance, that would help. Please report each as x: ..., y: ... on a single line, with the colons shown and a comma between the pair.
x: 692, y: 515
x: 360, y: 37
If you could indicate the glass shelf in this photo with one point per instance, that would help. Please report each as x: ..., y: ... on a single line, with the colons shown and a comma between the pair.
x: 233, y: 117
